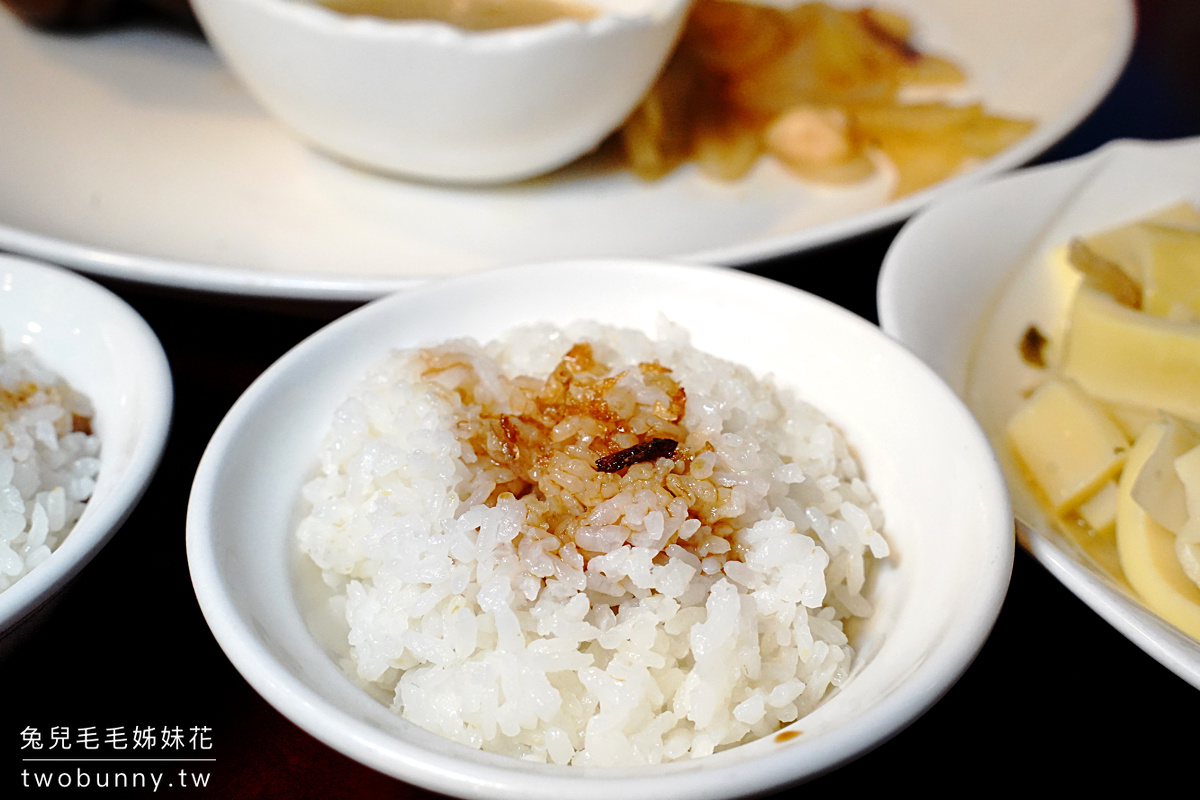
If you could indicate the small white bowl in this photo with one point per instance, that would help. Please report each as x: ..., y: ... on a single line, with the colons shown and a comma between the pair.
x: 103, y: 348
x: 963, y: 280
x: 431, y: 101
x: 947, y: 517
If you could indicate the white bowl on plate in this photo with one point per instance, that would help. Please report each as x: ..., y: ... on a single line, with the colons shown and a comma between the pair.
x: 963, y: 280
x: 429, y: 100
x: 103, y: 348
x: 947, y: 517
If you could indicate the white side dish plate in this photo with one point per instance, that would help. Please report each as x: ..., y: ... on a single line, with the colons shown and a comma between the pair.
x: 964, y: 280
x: 135, y: 154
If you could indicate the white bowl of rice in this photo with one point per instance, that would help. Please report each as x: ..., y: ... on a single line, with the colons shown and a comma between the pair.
x: 85, y: 406
x: 596, y: 529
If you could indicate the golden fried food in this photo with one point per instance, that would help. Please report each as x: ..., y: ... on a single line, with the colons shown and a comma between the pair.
x: 816, y: 87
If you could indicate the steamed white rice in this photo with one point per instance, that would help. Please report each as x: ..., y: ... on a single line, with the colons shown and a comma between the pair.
x: 49, y: 459
x: 684, y: 605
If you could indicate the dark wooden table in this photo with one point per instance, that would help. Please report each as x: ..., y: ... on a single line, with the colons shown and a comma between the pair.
x: 1056, y: 698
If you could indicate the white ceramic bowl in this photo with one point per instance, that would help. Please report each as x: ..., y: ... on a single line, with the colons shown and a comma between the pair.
x: 103, y: 348
x: 948, y: 517
x: 432, y: 101
x: 963, y: 280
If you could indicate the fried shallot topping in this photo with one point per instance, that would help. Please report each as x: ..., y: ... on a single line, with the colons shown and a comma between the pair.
x: 31, y: 395
x: 564, y: 445
x: 646, y: 451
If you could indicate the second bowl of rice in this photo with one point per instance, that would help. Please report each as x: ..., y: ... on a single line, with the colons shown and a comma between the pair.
x: 85, y: 409
x: 600, y: 528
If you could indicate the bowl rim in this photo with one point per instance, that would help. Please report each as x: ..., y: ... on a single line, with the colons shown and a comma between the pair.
x: 32, y: 591
x: 319, y: 20
x: 708, y: 778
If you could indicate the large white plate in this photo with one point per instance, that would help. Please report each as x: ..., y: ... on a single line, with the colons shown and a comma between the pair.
x: 135, y: 154
x: 963, y: 281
